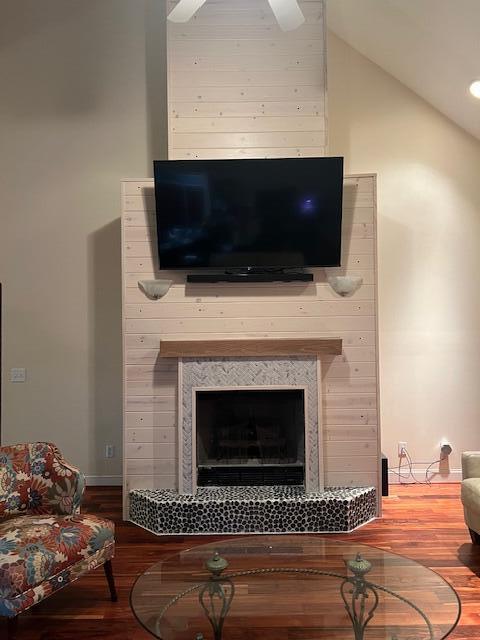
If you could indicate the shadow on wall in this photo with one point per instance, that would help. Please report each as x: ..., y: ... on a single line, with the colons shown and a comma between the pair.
x: 105, y: 347
x: 396, y: 266
x: 341, y: 99
x: 65, y: 44
x: 156, y: 80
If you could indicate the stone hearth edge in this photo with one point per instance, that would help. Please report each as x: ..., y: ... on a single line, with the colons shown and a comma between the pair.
x: 239, y: 510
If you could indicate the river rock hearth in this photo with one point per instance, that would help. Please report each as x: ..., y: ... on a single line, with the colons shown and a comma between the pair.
x: 277, y: 509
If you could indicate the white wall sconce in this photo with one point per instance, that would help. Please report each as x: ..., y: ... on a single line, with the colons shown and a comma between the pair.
x: 155, y: 289
x: 345, y: 285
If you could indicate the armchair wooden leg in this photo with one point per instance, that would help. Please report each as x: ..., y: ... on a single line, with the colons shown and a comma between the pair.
x: 474, y: 536
x: 12, y: 624
x: 111, y: 582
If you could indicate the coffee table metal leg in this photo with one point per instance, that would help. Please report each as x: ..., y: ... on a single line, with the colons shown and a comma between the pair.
x: 359, y: 596
x: 216, y: 598
x: 216, y: 595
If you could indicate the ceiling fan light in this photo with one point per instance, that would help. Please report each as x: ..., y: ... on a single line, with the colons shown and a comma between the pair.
x: 288, y: 14
x: 184, y: 10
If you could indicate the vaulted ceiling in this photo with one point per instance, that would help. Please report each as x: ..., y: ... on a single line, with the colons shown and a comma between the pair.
x: 432, y: 46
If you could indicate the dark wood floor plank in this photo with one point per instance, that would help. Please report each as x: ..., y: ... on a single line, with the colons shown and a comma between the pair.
x: 424, y: 523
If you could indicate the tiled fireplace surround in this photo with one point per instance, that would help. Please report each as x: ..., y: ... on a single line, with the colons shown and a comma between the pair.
x: 311, y: 508
x: 255, y: 373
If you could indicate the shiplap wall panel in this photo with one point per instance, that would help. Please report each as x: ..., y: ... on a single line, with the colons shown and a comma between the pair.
x: 346, y: 433
x: 150, y: 434
x: 356, y: 401
x: 143, y: 348
x: 309, y: 325
x: 238, y: 86
x: 232, y: 309
x: 349, y: 381
x: 247, y: 108
x: 353, y: 478
x: 151, y: 419
x: 149, y: 481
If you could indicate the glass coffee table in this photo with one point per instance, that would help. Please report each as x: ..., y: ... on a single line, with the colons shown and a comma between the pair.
x: 293, y: 588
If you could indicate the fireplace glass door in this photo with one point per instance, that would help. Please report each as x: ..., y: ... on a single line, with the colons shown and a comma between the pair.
x: 250, y: 437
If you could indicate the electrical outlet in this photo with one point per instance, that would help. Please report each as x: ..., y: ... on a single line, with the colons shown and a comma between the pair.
x: 109, y: 451
x: 402, y: 447
x: 18, y: 374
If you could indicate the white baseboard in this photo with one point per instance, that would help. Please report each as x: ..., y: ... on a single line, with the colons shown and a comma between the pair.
x: 454, y: 475
x: 104, y: 481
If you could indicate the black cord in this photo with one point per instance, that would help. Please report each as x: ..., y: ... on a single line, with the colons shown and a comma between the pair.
x: 427, y: 479
x: 410, y: 463
x: 409, y: 466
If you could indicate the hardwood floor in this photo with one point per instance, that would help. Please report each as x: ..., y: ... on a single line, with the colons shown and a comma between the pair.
x: 424, y: 523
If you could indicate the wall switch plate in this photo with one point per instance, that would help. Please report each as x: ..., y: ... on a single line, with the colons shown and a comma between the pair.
x: 402, y: 447
x: 109, y: 451
x: 18, y: 374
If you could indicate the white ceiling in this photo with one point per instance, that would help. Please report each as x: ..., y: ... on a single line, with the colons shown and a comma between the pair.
x: 432, y: 46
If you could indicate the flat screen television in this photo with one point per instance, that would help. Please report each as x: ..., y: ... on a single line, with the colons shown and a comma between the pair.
x: 249, y: 214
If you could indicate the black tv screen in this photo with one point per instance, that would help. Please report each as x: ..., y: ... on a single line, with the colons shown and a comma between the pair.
x: 238, y: 214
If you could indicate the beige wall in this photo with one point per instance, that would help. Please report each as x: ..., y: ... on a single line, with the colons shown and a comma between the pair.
x: 82, y: 107
x: 75, y: 118
x: 429, y: 257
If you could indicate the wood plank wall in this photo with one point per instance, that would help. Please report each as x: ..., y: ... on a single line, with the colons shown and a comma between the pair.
x: 238, y: 86
x: 191, y: 311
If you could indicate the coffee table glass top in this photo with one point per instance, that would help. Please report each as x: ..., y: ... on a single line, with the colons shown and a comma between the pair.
x: 293, y: 588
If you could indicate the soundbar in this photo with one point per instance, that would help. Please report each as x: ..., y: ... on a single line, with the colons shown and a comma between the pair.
x: 264, y: 276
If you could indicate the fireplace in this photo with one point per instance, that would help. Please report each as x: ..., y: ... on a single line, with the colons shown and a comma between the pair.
x: 251, y: 452
x: 248, y: 437
x: 272, y: 437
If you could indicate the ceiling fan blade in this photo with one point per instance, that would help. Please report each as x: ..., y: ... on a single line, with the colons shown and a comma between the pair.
x: 185, y: 10
x: 288, y: 14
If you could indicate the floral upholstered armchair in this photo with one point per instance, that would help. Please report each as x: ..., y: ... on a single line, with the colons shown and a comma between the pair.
x: 44, y: 541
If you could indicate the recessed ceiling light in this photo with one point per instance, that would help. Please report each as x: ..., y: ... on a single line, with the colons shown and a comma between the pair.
x: 475, y: 88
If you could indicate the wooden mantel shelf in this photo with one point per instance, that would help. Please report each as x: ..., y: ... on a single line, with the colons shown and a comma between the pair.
x: 251, y: 347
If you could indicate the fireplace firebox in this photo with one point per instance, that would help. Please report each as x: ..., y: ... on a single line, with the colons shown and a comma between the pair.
x: 250, y: 437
